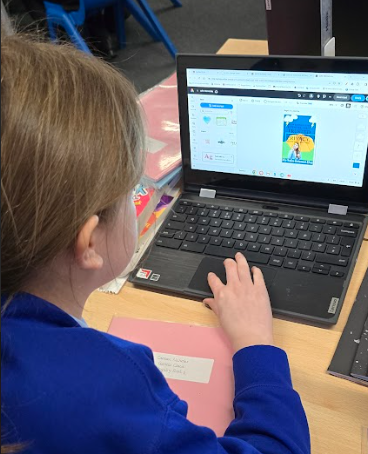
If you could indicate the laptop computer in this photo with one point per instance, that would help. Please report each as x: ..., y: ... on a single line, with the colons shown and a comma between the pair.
x: 275, y: 165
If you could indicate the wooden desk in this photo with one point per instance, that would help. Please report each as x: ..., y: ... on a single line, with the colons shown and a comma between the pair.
x: 336, y: 409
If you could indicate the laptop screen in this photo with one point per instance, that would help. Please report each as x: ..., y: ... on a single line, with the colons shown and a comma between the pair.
x: 301, y: 126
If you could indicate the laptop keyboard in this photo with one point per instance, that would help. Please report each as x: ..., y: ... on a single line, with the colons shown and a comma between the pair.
x: 306, y: 244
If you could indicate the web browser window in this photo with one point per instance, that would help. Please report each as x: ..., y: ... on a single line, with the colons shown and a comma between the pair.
x: 295, y: 125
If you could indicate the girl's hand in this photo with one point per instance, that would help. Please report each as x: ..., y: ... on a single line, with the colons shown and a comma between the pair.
x: 242, y: 305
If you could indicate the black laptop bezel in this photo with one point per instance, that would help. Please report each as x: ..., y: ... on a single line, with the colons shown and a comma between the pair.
x: 244, y: 186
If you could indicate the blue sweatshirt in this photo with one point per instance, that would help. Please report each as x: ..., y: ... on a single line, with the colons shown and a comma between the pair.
x: 73, y: 390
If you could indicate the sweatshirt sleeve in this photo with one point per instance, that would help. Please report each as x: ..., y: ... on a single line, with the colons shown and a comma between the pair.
x: 269, y: 416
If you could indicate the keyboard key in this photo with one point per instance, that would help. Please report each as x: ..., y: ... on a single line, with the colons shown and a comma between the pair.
x: 251, y: 237
x: 191, y: 237
x: 191, y: 210
x: 318, y: 247
x: 276, y: 261
x: 263, y: 220
x: 253, y: 247
x: 193, y: 247
x: 214, y: 231
x: 318, y: 270
x: 257, y: 212
x: 308, y: 255
x: 212, y: 207
x: 185, y: 202
x: 180, y: 235
x: 228, y: 243
x: 264, y: 239
x: 334, y: 222
x: 304, y: 245
x: 290, y: 263
x: 280, y: 251
x: 294, y: 253
x: 291, y: 233
x: 227, y: 215
x: 216, y: 241
x: 265, y: 229
x: 199, y: 204
x: 214, y: 213
x: 226, y: 233
x: 239, y: 226
x: 277, y: 241
x: 227, y: 208
x: 203, y: 239
x: 227, y: 224
x: 286, y: 216
x: 223, y: 252
x: 174, y: 225
x: 180, y: 209
x: 351, y: 225
x: 271, y: 214
x: 347, y: 242
x: 304, y: 235
x: 331, y: 260
x: 202, y: 229
x: 291, y: 243
x: 190, y: 228
x: 238, y: 217
x: 267, y: 249
x: 204, y: 221
x: 178, y: 217
x: 215, y: 222
x: 203, y: 212
x: 302, y: 225
x: 288, y: 224
x: 238, y: 235
x: 346, y: 252
x: 192, y: 219
x: 241, y: 245
x: 315, y: 228
x: 319, y: 220
x: 332, y: 239
x: 322, y: 267
x: 278, y: 231
x: 319, y: 237
x: 168, y: 242
x: 167, y: 233
x: 329, y: 229
x: 302, y: 218
x: 332, y: 249
x: 250, y: 219
x: 253, y: 228
x: 305, y: 268
x: 347, y: 232
x: 276, y: 222
x: 240, y: 210
x: 337, y: 274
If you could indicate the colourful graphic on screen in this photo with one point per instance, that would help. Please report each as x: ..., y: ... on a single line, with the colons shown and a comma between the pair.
x: 299, y: 139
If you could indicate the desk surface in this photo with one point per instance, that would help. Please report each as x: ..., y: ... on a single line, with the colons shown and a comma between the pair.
x: 336, y: 409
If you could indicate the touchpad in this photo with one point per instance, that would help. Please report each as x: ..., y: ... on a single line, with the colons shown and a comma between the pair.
x: 209, y: 264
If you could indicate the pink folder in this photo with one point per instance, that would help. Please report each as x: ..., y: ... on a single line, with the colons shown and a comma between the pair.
x: 161, y: 109
x: 208, y: 404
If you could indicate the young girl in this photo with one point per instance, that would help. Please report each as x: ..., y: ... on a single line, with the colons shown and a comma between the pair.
x: 71, y: 155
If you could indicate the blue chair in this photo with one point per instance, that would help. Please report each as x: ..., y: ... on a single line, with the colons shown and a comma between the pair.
x: 70, y: 20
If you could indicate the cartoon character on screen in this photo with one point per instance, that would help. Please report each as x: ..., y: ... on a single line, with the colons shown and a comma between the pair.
x: 295, y: 152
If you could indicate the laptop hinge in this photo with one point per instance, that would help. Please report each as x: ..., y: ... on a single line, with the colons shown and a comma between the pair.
x: 209, y: 193
x: 337, y: 209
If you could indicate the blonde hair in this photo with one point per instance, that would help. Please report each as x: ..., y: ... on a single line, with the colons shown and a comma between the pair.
x: 71, y: 147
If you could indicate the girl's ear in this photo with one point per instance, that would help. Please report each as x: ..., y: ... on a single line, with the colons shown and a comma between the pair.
x: 85, y: 252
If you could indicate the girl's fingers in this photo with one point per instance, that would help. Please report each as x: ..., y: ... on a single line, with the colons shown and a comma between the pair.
x: 243, y: 268
x: 214, y: 282
x: 258, y: 278
x: 231, y: 268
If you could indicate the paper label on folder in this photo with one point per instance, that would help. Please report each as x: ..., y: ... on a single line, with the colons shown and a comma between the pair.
x: 187, y: 368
